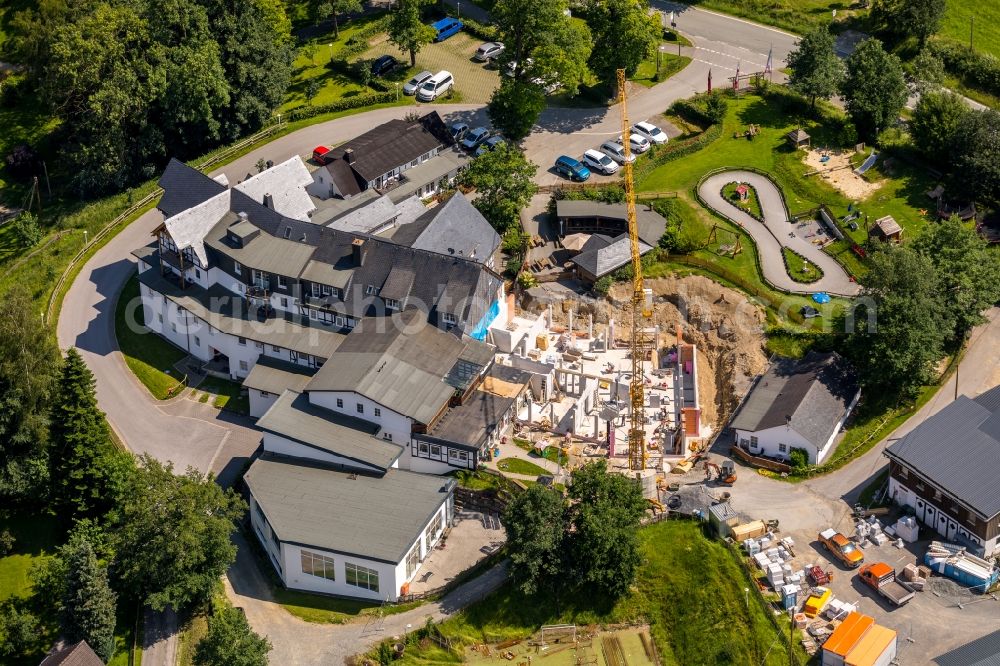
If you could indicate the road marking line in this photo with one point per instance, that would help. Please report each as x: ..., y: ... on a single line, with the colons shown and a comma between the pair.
x: 218, y: 450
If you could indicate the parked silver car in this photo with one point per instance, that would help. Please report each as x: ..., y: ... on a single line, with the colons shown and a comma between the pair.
x: 488, y: 51
x: 615, y: 151
x: 411, y: 86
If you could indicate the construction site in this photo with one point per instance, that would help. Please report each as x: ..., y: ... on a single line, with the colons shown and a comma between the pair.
x: 571, y: 645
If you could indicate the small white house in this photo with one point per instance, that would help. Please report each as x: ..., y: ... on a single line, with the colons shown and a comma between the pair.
x: 797, y: 404
x: 344, y: 533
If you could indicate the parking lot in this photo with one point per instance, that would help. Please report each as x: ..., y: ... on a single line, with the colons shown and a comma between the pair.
x: 474, y: 81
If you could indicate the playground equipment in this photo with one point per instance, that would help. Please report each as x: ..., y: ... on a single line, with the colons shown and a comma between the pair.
x: 725, y: 249
x: 868, y: 163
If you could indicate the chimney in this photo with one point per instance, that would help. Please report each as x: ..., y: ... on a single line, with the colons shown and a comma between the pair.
x: 349, y: 156
x: 242, y: 216
x: 357, y: 250
x: 268, y: 201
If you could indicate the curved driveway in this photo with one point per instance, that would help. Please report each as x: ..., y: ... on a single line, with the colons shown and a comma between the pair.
x: 773, y: 233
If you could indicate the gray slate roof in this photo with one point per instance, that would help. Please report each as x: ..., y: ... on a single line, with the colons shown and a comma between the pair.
x: 810, y: 394
x: 958, y: 449
x: 378, y: 518
x: 403, y: 364
x: 651, y: 224
x: 184, y: 187
x: 456, y: 228
x: 294, y: 417
x: 286, y: 184
x: 599, y: 261
x: 984, y: 651
x: 272, y: 375
x: 78, y: 654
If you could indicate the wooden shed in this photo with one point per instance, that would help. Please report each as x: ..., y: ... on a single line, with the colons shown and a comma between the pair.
x: 888, y: 229
x: 798, y: 138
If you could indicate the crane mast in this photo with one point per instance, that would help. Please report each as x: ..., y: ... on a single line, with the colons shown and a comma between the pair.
x: 640, y: 308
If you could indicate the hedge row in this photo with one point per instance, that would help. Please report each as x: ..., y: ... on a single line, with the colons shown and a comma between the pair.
x: 487, y: 33
x: 358, y: 42
x: 678, y: 149
x: 976, y: 69
x: 691, y: 112
x: 346, y: 104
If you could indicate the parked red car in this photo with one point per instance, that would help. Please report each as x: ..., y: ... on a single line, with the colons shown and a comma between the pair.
x: 320, y: 154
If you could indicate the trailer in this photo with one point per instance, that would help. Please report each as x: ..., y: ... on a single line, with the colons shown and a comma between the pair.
x: 953, y: 561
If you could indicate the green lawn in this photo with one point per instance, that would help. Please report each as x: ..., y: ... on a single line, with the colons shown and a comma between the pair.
x: 227, y: 394
x: 321, y: 609
x: 689, y: 589
x: 670, y: 64
x: 147, y: 355
x: 124, y: 637
x: 35, y: 536
x: 793, y: 15
x: 552, y: 453
x: 956, y: 24
x: 798, y: 268
x: 519, y: 466
x: 476, y: 480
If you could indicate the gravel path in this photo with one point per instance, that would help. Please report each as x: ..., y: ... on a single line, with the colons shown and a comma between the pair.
x: 773, y: 233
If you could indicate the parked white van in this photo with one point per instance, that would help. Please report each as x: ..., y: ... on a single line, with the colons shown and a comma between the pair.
x: 436, y: 86
x: 598, y: 161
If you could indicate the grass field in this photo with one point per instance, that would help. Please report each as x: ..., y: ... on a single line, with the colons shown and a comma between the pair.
x: 794, y: 15
x: 689, y: 590
x: 519, y: 466
x: 798, y: 268
x: 226, y: 394
x: 331, y: 610
x: 751, y: 204
x: 957, y: 23
x: 35, y: 537
x: 670, y: 64
x: 147, y: 355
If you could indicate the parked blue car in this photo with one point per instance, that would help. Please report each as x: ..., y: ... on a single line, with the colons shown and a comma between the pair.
x: 446, y: 27
x: 572, y: 169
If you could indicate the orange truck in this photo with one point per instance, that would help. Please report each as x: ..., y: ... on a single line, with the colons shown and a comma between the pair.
x: 841, y: 547
x: 882, y: 578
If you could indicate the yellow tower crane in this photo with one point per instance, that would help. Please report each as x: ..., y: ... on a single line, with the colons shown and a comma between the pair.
x: 641, y: 306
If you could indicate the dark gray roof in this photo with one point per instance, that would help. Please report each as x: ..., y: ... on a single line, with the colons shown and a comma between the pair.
x: 390, y: 145
x: 78, y: 654
x: 185, y: 187
x: 404, y: 364
x: 375, y: 517
x: 811, y: 395
x: 348, y: 182
x: 958, y: 449
x: 294, y: 417
x: 651, y: 224
x: 273, y: 375
x: 600, y: 259
x: 983, y: 651
x: 456, y: 228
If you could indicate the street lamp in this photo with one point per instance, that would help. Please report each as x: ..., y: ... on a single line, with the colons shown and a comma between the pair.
x: 746, y: 596
x: 397, y: 91
x: 458, y: 10
x: 331, y: 50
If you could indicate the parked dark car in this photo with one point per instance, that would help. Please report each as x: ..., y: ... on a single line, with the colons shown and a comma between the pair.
x: 571, y: 168
x: 383, y: 65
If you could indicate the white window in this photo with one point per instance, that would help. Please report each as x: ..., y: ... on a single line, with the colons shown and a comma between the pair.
x: 258, y: 345
x: 294, y: 356
x: 361, y: 408
x: 284, y: 302
x: 315, y: 564
x: 197, y: 341
x: 276, y: 349
x: 340, y: 321
x: 387, y: 436
x: 244, y: 366
x: 282, y: 282
x: 378, y: 412
x: 237, y: 268
x: 340, y: 403
x: 159, y: 318
x: 312, y: 314
x: 242, y: 341
x: 463, y: 455
x: 783, y: 448
x: 197, y: 273
x: 392, y: 303
x: 360, y: 576
x: 369, y: 290
x: 753, y: 443
x: 449, y: 318
x: 435, y: 450
x: 328, y: 290
x: 315, y: 290
x: 423, y: 447
x: 452, y: 453
x: 173, y: 327
x: 265, y: 394
x: 413, y: 560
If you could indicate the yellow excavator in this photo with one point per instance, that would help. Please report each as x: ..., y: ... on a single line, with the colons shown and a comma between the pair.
x: 725, y: 475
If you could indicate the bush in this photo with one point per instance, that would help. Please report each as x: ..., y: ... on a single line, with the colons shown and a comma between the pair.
x: 691, y: 110
x: 603, y: 285
x: 487, y: 33
x: 678, y: 149
x: 716, y: 107
x: 513, y: 268
x: 977, y: 69
x: 358, y: 42
x: 799, y: 458
x: 526, y: 280
x: 23, y: 162
x: 357, y: 102
x: 6, y: 543
x: 26, y: 228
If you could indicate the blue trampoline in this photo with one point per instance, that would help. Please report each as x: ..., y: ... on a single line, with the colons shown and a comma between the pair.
x: 821, y: 297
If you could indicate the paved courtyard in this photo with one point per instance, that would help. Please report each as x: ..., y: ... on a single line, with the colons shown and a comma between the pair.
x: 474, y: 537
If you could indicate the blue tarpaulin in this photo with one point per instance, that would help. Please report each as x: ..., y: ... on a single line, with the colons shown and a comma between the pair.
x: 479, y: 332
x: 821, y: 297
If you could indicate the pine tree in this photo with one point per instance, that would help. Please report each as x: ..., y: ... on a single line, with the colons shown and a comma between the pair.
x: 87, y: 470
x: 231, y: 642
x: 89, y: 602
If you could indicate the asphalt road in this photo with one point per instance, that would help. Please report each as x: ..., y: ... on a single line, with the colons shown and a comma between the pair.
x: 772, y: 234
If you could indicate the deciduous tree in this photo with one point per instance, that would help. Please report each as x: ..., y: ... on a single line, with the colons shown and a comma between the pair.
x: 338, y: 7
x: 503, y: 179
x: 29, y: 365
x: 969, y: 271
x: 874, y: 88
x: 816, y: 70
x: 515, y: 106
x: 407, y: 29
x: 624, y: 33
x: 976, y: 156
x: 536, y: 529
x: 88, y: 472
x: 172, y: 535
x: 935, y: 122
x: 904, y: 18
x: 231, y: 642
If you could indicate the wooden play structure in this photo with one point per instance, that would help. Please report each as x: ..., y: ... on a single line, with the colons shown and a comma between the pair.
x: 725, y: 249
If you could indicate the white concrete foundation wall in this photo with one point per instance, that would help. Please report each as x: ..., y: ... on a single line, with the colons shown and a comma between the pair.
x: 260, y: 402
x: 286, y: 447
x: 397, y: 426
x: 768, y: 442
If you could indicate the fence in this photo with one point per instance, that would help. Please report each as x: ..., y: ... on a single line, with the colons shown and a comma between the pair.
x: 757, y: 461
x: 110, y: 227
